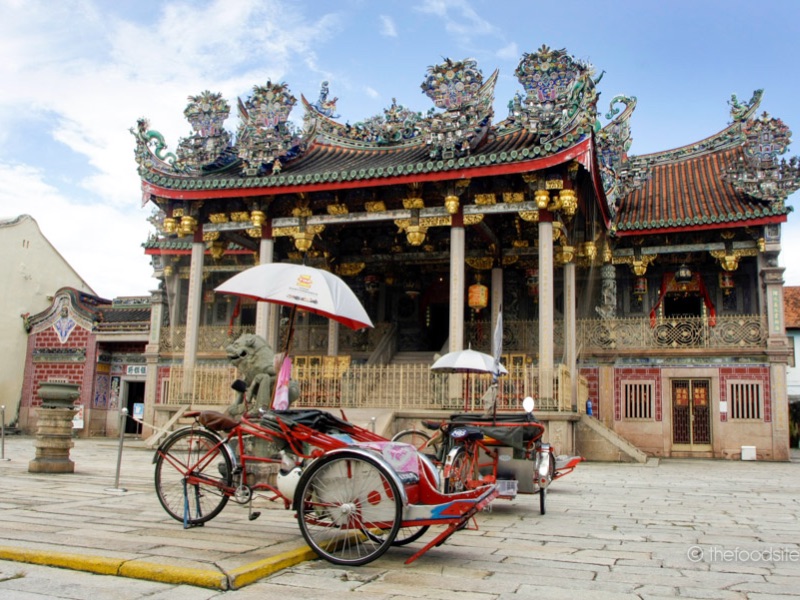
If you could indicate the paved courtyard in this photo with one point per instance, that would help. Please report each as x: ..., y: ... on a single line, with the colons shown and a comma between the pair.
x: 671, y: 528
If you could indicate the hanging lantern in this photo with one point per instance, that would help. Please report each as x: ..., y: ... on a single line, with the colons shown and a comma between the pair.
x: 170, y: 226
x: 726, y: 282
x: 640, y: 287
x: 532, y: 282
x: 478, y: 296
x: 683, y: 274
x: 412, y: 288
x: 372, y: 284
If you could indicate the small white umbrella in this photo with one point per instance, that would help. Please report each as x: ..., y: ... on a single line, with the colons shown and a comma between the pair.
x: 468, y: 361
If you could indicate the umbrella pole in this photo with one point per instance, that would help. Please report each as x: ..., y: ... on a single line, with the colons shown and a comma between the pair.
x: 466, y: 394
x: 290, y: 332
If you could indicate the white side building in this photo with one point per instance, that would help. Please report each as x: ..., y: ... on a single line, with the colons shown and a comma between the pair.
x: 30, y: 273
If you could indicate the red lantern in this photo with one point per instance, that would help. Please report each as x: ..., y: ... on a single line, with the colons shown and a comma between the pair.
x: 478, y: 297
x: 726, y: 282
x: 372, y: 283
x: 640, y: 286
x: 532, y: 281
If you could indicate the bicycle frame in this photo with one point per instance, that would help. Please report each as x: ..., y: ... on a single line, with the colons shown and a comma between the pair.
x: 356, y: 494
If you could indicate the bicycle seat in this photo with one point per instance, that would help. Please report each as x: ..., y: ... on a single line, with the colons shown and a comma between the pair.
x: 214, y: 420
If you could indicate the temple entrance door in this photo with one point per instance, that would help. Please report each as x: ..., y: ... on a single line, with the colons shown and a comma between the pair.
x: 438, y: 326
x: 134, y: 393
x: 691, y: 414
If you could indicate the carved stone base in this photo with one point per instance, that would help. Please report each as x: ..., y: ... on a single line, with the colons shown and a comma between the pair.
x: 53, y: 441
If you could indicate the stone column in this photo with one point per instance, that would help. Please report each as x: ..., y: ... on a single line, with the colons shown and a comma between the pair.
x: 570, y: 331
x: 497, y: 298
x: 266, y: 313
x: 193, y: 309
x: 457, y: 274
x: 546, y: 314
x: 333, y: 337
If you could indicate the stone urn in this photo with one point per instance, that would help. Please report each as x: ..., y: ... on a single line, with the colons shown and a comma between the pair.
x: 59, y: 394
x: 54, y: 428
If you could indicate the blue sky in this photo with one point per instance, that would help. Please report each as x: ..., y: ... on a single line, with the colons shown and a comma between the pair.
x: 77, y: 74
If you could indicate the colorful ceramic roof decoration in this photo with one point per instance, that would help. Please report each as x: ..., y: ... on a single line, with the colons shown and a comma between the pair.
x: 734, y: 177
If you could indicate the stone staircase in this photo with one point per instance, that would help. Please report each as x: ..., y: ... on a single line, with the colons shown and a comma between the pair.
x: 595, y: 441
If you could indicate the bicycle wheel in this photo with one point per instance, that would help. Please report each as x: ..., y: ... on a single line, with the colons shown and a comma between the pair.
x: 404, y: 536
x: 421, y: 440
x: 349, y: 508
x: 538, y: 488
x: 459, y: 472
x: 192, y: 469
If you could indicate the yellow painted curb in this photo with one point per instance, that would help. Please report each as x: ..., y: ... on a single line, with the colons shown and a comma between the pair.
x: 116, y: 566
x: 170, y: 574
x: 78, y: 562
x: 247, y: 574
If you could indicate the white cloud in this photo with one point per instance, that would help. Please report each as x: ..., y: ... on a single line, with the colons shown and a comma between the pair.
x: 102, y: 243
x: 388, y: 27
x: 509, y: 52
x: 459, y: 17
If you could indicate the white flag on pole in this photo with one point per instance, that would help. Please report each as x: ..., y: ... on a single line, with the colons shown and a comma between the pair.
x: 497, y: 342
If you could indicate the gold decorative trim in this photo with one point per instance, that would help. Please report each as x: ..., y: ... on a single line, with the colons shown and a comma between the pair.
x: 337, y: 209
x: 485, y: 199
x: 218, y: 218
x: 240, y: 216
x: 513, y: 197
x: 376, y: 206
x: 481, y: 263
x: 532, y: 216
x: 350, y: 269
x: 471, y: 220
x: 412, y: 203
x: 210, y: 236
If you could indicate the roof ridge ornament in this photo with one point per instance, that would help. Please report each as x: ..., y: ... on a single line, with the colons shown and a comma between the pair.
x: 206, y: 113
x: 265, y: 138
x: 742, y: 112
x: 458, y: 88
x: 758, y: 172
x: 560, y: 93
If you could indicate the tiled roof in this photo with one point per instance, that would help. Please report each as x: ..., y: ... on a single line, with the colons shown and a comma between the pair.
x: 689, y: 193
x: 326, y: 164
x: 791, y: 307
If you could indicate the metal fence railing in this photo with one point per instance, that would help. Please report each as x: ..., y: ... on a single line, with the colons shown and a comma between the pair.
x: 335, y: 383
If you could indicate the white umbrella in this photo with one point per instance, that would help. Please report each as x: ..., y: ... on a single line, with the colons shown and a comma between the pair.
x: 300, y: 286
x: 468, y: 361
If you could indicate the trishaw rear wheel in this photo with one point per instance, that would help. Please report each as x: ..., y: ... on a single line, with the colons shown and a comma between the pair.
x: 192, y: 470
x: 459, y: 473
x: 349, y: 508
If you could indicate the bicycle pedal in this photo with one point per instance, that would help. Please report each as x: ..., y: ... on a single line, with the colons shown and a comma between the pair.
x: 253, y: 516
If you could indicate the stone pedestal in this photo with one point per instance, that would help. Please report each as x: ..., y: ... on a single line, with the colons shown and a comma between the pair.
x: 54, y: 428
x: 53, y: 441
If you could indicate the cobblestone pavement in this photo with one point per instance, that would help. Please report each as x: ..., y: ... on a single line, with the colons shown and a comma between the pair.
x: 671, y: 528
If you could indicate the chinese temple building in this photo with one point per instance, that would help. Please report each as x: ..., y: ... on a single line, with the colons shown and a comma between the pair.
x: 648, y: 285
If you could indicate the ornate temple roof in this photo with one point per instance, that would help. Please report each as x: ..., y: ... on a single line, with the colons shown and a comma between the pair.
x: 693, y: 193
x: 556, y: 113
x: 733, y: 178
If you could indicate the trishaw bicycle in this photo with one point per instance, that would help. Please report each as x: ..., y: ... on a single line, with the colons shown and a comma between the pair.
x: 355, y: 493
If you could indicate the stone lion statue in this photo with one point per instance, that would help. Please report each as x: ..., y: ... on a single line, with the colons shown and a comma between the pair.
x: 255, y: 361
